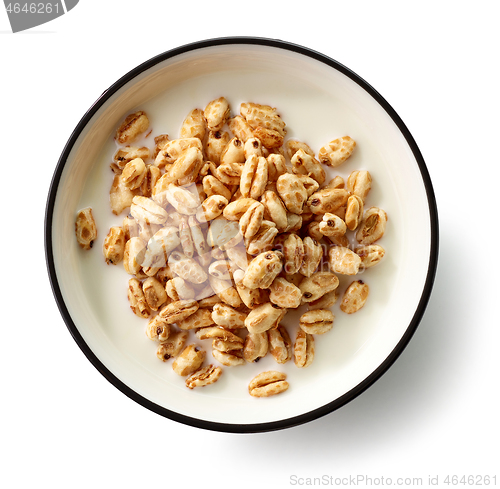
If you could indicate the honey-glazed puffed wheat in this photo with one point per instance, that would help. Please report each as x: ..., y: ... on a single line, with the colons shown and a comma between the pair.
x: 227, y: 228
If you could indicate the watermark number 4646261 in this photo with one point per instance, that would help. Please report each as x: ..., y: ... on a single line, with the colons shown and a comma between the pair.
x: 25, y: 15
x: 33, y: 8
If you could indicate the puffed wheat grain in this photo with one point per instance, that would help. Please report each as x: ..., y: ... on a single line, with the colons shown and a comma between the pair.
x: 372, y: 228
x: 85, y: 228
x: 303, y: 349
x: 172, y: 346
x: 133, y: 125
x: 317, y: 321
x: 354, y: 297
x: 337, y: 151
x: 268, y: 384
x: 204, y: 376
x: 189, y: 360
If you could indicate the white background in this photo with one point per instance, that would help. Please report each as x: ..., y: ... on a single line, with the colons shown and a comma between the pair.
x: 435, y: 412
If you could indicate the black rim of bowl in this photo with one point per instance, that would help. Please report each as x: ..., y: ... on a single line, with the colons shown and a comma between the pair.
x: 255, y: 427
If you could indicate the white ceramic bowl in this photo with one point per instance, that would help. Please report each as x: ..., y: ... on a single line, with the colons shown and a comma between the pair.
x: 319, y: 99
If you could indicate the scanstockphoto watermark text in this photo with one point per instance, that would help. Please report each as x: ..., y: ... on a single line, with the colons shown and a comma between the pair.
x: 363, y: 480
x: 355, y: 480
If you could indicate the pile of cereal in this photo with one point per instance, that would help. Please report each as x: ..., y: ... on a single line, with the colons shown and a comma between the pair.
x: 230, y: 226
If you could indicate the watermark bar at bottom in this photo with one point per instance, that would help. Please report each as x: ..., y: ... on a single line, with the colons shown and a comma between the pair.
x: 370, y: 481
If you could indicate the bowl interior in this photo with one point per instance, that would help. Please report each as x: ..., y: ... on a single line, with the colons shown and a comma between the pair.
x: 318, y: 103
